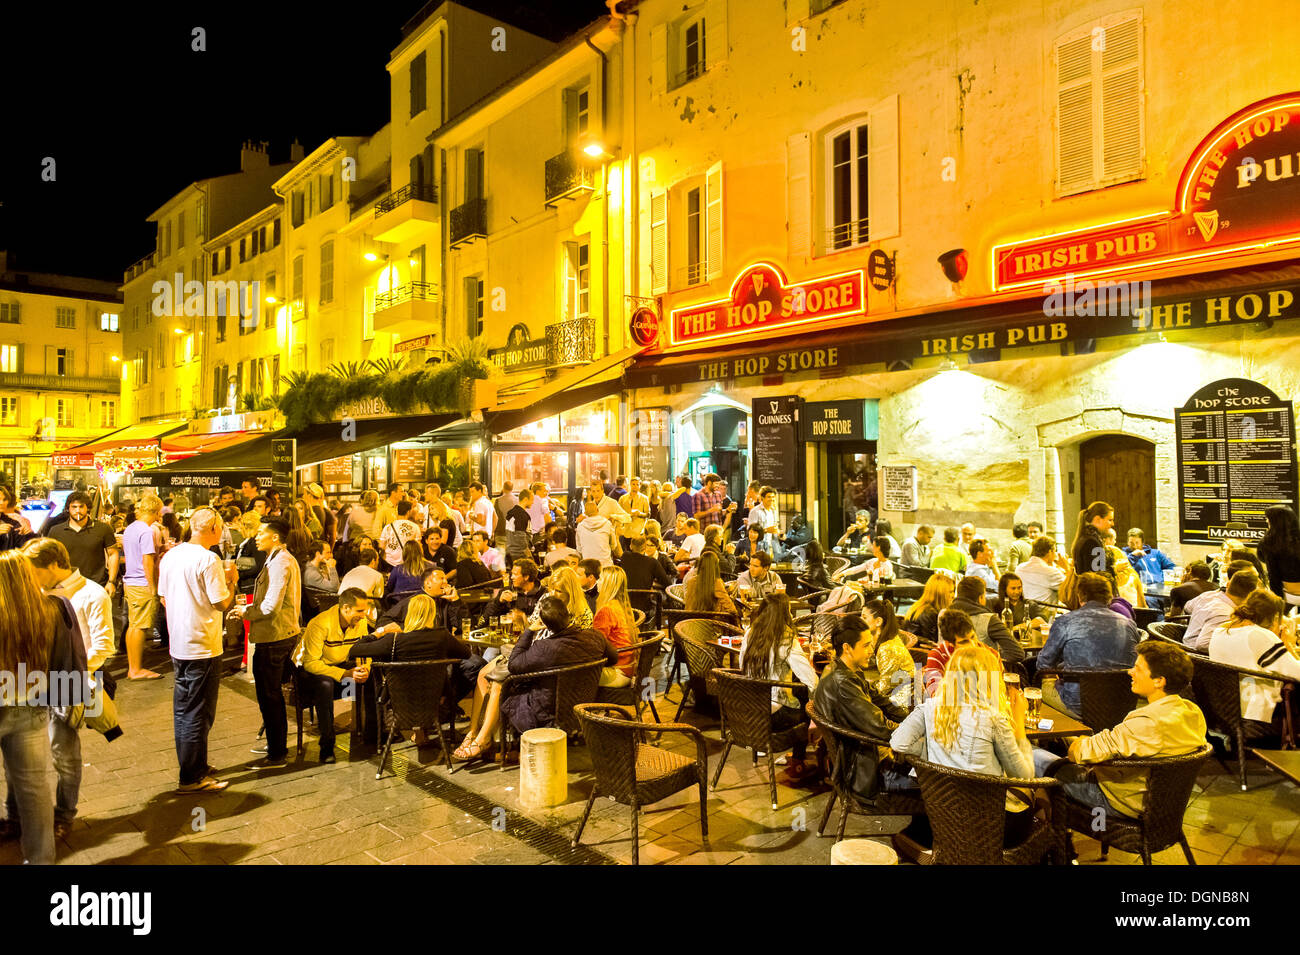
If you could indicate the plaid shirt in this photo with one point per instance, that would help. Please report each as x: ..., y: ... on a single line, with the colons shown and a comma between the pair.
x: 708, y: 507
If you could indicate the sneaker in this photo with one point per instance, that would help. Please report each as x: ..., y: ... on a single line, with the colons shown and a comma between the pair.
x: 327, y: 757
x: 259, y: 749
x: 267, y: 762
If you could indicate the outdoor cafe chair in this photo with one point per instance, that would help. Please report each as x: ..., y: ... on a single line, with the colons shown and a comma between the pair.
x: 694, y: 642
x: 746, y: 705
x: 410, y: 694
x: 1172, y: 632
x: 1160, y: 824
x: 1217, y: 690
x: 1105, y: 696
x: 835, y: 564
x: 574, y: 684
x: 635, y: 773
x: 634, y: 695
x: 968, y: 816
x: 885, y: 803
x: 650, y: 603
x: 673, y: 617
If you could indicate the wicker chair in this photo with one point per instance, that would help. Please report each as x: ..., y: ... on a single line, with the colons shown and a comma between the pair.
x: 1172, y: 632
x: 1145, y: 616
x: 819, y: 626
x: 318, y: 601
x: 644, y: 653
x: 693, y: 642
x: 1217, y: 688
x: 913, y: 572
x: 746, y: 706
x: 1169, y: 787
x: 853, y: 604
x: 835, y: 564
x: 410, y: 694
x: 574, y: 684
x: 651, y: 604
x: 967, y: 813
x: 674, y: 617
x: 1105, y: 696
x: 885, y: 803
x: 635, y: 773
x: 676, y: 594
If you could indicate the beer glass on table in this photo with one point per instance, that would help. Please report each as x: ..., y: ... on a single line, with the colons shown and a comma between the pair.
x: 1033, y: 703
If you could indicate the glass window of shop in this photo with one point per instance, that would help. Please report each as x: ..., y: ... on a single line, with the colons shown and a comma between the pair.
x: 563, y: 451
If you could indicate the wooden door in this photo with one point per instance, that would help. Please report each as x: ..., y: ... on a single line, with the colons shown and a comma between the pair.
x: 1120, y: 470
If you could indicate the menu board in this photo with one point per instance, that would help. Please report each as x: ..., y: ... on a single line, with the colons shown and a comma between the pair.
x: 337, y: 471
x: 410, y: 465
x: 1236, y: 459
x: 650, y: 438
x: 776, y: 442
x: 284, y: 462
x: 898, y: 488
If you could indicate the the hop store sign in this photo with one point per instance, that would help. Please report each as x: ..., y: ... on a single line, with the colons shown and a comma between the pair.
x: 762, y: 302
x: 1239, y: 191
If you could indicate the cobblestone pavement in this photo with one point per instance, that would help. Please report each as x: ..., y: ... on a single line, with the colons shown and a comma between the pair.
x: 307, y: 813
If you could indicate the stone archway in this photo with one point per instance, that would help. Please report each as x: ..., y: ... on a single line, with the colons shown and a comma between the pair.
x: 1060, y: 442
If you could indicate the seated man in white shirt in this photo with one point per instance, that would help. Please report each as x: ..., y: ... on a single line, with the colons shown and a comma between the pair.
x: 1259, y: 636
x: 1211, y: 610
x: 693, y: 543
x: 491, y: 557
x: 365, y: 576
x: 981, y: 564
x: 1043, y: 573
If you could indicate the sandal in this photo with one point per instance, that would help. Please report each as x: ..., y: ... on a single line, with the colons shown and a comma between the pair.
x: 468, y: 751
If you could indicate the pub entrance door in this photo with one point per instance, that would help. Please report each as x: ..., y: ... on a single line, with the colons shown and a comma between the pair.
x: 846, y: 483
x: 1120, y: 470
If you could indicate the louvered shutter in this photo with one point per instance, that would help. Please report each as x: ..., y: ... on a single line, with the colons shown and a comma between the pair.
x: 713, y: 219
x: 1121, y: 101
x: 1075, y: 144
x: 715, y: 19
x: 658, y: 243
x: 882, y: 171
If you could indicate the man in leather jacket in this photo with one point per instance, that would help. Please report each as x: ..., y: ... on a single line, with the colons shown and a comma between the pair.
x: 846, y: 697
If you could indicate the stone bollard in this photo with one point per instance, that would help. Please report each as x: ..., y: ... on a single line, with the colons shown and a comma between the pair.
x: 862, y: 852
x: 543, y: 768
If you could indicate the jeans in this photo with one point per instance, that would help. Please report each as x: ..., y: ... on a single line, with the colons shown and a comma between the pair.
x: 321, y: 690
x: 194, y: 707
x: 25, y: 743
x: 65, y: 744
x: 268, y: 678
x: 1073, y: 778
x: 792, y: 718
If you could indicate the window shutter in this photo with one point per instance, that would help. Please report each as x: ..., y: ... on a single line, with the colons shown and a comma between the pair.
x: 68, y: 367
x: 22, y: 351
x: 417, y: 173
x: 658, y: 243
x: 882, y: 171
x: 713, y: 222
x: 1075, y: 128
x: 715, y: 34
x: 798, y: 174
x: 659, y: 59
x: 1121, y: 101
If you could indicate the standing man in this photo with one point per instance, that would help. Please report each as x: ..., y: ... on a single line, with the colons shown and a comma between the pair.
x: 434, y: 510
x: 225, y: 497
x: 273, y: 627
x: 596, y: 537
x: 91, y: 544
x: 637, y: 507
x: 606, y: 506
x: 1021, y: 547
x: 195, y: 593
x: 708, y: 501
x: 388, y: 509
x: 539, y: 512
x: 620, y: 487
x: 396, y: 533
x: 481, y: 515
x: 501, y: 507
x: 515, y: 523
x: 248, y: 492
x: 140, y: 583
x: 764, y: 516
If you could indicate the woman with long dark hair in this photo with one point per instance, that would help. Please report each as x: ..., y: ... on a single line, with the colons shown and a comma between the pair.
x: 815, y: 566
x: 704, y: 591
x: 1089, y: 547
x: 14, y: 528
x: 895, y: 667
x: 299, y: 537
x: 1280, y: 552
x: 769, y: 651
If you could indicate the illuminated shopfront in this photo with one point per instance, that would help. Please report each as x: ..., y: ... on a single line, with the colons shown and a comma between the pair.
x: 564, y: 451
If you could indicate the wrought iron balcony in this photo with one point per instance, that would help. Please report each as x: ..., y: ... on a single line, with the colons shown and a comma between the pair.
x: 468, y: 222
x: 425, y: 192
x: 410, y: 292
x: 567, y: 178
x: 570, y: 343
x: 60, y: 382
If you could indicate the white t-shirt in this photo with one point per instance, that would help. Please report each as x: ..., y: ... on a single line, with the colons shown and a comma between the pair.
x: 484, y: 514
x: 363, y: 578
x: 396, y: 536
x: 1255, y: 648
x: 693, y: 544
x: 192, y: 585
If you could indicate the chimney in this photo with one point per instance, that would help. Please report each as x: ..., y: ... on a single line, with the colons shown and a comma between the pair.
x: 253, y: 156
x: 296, y: 152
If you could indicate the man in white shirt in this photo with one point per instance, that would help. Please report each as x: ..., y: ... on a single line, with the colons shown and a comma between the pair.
x: 491, y: 557
x: 693, y: 543
x: 94, y: 610
x: 195, y: 593
x: 981, y: 565
x: 539, y: 512
x: 596, y: 539
x: 434, y: 509
x: 1043, y: 573
x: 365, y: 576
x: 1211, y: 610
x: 481, y: 515
x: 606, y: 506
x: 765, y: 516
x: 397, y: 533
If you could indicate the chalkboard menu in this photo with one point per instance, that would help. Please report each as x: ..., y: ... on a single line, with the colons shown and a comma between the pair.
x: 650, y: 438
x: 898, y: 488
x: 410, y: 465
x: 284, y: 461
x: 1236, y: 458
x: 776, y: 442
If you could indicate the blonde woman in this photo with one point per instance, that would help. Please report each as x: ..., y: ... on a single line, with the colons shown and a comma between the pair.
x: 1128, y: 585
x: 361, y: 519
x: 972, y: 724
x: 614, y: 621
x: 923, y: 617
x: 564, y: 584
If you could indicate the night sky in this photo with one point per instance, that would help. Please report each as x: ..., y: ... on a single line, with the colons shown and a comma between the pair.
x: 130, y: 114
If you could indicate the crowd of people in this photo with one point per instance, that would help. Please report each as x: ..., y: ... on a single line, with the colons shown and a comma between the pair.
x: 313, y: 593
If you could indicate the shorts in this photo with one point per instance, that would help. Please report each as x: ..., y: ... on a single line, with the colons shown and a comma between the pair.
x: 141, y: 607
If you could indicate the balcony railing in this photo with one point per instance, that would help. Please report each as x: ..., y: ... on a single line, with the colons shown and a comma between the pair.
x: 136, y: 269
x: 570, y: 343
x: 696, y: 69
x: 425, y: 192
x: 60, y: 382
x: 411, y: 291
x: 566, y: 177
x: 469, y: 222
x: 359, y: 200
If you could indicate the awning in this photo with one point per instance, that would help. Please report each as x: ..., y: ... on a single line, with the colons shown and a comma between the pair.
x: 316, y: 443
x: 189, y: 444
x: 143, y: 435
x: 598, y: 379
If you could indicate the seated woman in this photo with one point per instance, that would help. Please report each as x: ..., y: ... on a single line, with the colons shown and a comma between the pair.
x: 815, y: 566
x: 531, y: 703
x: 406, y: 577
x: 614, y: 621
x: 769, y: 651
x: 922, y: 618
x: 654, y: 548
x: 751, y: 542
x: 470, y: 570
x: 972, y: 724
x: 1259, y: 636
x: 705, y: 592
x: 895, y: 668
x: 564, y: 583
x: 1011, y: 596
x: 878, y: 564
